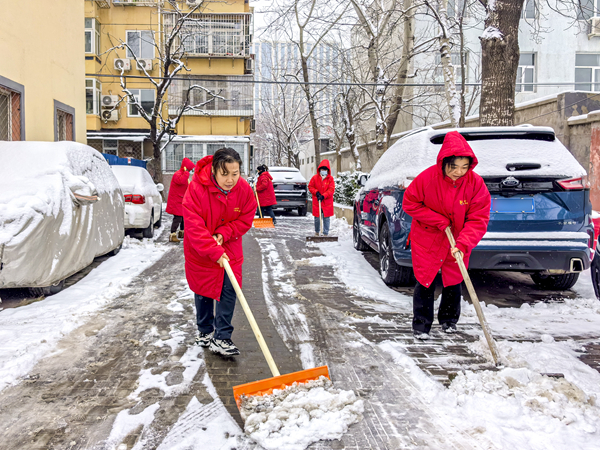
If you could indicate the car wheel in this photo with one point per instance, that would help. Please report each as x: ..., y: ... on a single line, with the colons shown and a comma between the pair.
x: 149, y: 232
x: 359, y: 244
x: 115, y: 251
x: 159, y: 221
x: 555, y: 282
x: 302, y: 211
x: 392, y: 273
x: 49, y: 290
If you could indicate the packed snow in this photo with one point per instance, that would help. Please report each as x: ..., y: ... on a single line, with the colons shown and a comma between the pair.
x: 295, y: 417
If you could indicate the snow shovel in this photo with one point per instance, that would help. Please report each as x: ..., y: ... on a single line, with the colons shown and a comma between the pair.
x: 321, y: 237
x: 262, y: 222
x: 278, y: 381
x: 475, y: 300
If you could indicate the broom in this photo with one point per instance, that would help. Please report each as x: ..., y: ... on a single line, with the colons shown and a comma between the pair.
x: 262, y: 222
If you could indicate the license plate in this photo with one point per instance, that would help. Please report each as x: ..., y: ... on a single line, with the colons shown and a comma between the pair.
x: 513, y: 205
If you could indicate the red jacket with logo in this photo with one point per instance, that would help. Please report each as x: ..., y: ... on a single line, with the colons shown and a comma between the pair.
x: 265, y: 190
x: 435, y: 201
x: 325, y: 186
x: 208, y: 211
x: 179, y: 184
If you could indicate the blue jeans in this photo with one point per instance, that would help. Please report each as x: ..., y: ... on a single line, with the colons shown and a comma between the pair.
x: 325, y: 225
x: 268, y: 211
x: 207, y: 320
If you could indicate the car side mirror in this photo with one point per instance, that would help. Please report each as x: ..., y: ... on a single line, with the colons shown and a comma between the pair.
x: 363, y: 180
x: 160, y: 187
x: 83, y: 191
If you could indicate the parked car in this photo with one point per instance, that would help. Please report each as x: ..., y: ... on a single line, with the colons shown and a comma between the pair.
x: 291, y: 190
x: 540, y: 218
x: 60, y: 207
x: 143, y: 202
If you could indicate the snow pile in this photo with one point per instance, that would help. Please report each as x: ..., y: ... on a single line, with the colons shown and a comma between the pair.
x: 409, y: 156
x: 492, y: 33
x: 297, y: 416
x: 38, y: 179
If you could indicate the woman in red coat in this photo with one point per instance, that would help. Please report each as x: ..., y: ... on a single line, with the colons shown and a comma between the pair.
x: 266, y: 192
x: 448, y: 194
x: 218, y: 209
x: 322, y: 187
x: 179, y: 184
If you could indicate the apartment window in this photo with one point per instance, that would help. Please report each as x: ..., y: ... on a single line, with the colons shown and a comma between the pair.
x: 587, y: 72
x: 110, y: 146
x: 92, y: 36
x: 528, y: 11
x: 93, y: 91
x: 63, y: 122
x: 143, y: 97
x: 10, y: 115
x: 217, y: 34
x: 175, y: 152
x: 526, y: 73
x: 312, y: 159
x: 586, y: 9
x: 141, y: 44
x: 455, y: 59
x: 325, y: 145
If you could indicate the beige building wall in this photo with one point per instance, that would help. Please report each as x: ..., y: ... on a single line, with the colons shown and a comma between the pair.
x: 40, y: 48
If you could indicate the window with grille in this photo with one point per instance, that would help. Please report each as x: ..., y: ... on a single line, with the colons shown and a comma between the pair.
x: 587, y: 72
x: 526, y: 73
x: 110, y: 146
x: 141, y: 44
x: 144, y: 98
x: 176, y: 151
x: 64, y: 126
x: 92, y: 36
x: 93, y: 91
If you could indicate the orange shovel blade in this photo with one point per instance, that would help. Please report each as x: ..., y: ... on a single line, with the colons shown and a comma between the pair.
x: 264, y: 387
x: 263, y: 223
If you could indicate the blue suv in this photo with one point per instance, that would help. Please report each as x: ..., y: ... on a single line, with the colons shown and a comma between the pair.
x: 540, y: 217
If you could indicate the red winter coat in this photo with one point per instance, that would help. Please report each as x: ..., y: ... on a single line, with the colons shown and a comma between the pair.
x: 179, y: 184
x: 326, y: 186
x: 435, y: 201
x: 208, y: 211
x: 265, y: 190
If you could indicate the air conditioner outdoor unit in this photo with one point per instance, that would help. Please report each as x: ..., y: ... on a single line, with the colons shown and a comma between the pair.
x: 110, y: 116
x: 108, y: 101
x: 144, y: 64
x: 193, y: 2
x: 594, y: 27
x: 249, y: 65
x: 123, y: 64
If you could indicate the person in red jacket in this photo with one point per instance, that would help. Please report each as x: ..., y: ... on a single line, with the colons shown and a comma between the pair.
x: 322, y: 187
x: 266, y: 192
x: 218, y: 209
x: 179, y: 184
x: 448, y: 194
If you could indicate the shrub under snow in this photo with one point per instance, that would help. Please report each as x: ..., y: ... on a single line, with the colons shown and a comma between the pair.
x: 346, y: 187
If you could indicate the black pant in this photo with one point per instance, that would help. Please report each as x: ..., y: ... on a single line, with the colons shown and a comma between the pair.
x: 268, y: 211
x: 177, y: 223
x: 207, y: 320
x: 423, y: 298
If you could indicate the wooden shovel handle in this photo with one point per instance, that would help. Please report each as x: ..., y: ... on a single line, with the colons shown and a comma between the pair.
x: 484, y: 325
x: 258, y: 203
x: 250, y: 317
x: 321, y: 219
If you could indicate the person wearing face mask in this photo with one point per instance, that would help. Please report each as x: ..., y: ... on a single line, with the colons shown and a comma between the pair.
x: 218, y: 209
x: 322, y: 187
x: 448, y: 194
x: 179, y: 185
x: 266, y: 192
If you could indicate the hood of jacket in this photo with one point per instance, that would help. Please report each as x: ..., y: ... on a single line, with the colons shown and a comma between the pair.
x: 203, y: 170
x: 324, y: 164
x: 455, y: 145
x: 265, y: 174
x: 187, y: 163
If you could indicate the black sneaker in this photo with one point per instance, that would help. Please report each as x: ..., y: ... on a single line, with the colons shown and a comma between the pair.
x: 449, y: 328
x: 420, y: 335
x: 203, y: 339
x: 224, y: 347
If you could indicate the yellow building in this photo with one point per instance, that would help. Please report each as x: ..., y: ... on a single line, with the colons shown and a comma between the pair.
x: 214, y: 44
x: 41, y: 71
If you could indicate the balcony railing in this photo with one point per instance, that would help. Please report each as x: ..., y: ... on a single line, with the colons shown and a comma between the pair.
x: 214, y: 34
x: 136, y: 2
x: 233, y: 96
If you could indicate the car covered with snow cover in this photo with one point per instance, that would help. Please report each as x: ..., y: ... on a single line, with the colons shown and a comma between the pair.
x: 291, y: 190
x: 540, y: 216
x: 60, y: 207
x: 143, y: 202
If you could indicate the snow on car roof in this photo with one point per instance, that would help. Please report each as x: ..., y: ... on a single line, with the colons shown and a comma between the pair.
x: 409, y: 156
x: 135, y: 180
x: 38, y: 178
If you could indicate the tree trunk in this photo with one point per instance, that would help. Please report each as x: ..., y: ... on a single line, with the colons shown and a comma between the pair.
x: 499, y: 63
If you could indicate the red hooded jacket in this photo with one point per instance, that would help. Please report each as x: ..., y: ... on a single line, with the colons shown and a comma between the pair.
x: 179, y: 184
x: 265, y: 190
x: 326, y: 186
x: 435, y: 201
x: 208, y: 211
